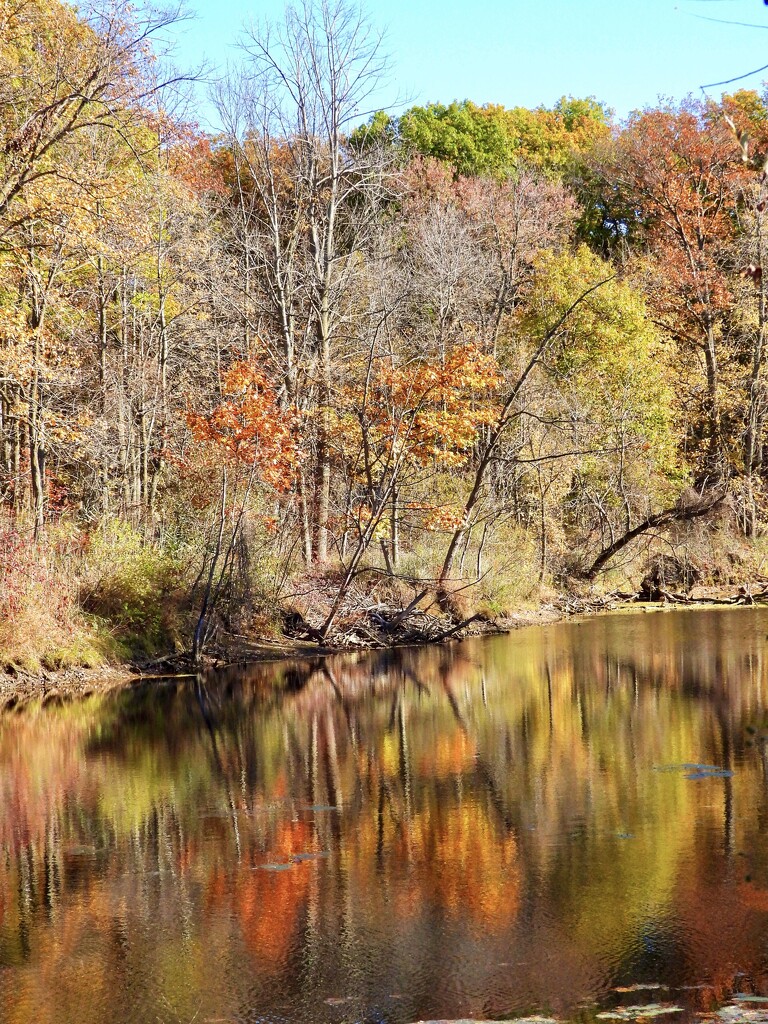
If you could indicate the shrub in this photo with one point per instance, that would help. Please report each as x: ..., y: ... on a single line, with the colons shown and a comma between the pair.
x: 41, y: 625
x: 134, y: 588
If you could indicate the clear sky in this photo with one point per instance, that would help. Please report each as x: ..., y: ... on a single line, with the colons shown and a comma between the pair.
x: 528, y: 52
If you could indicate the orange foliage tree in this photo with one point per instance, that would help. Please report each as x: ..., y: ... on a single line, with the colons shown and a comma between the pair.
x: 247, y: 430
x: 682, y: 173
x: 412, y: 421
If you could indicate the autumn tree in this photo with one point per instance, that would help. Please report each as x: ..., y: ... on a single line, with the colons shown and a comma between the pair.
x: 61, y: 74
x: 68, y: 85
x: 745, y: 113
x: 414, y: 418
x: 311, y: 196
x: 602, y: 417
x: 252, y: 439
x: 523, y: 364
x: 679, y: 168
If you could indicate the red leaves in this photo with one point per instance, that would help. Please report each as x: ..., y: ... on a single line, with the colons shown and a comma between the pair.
x: 681, y: 170
x: 249, y: 426
x: 193, y: 162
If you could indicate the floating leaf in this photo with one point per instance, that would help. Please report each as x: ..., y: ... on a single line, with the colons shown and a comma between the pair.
x: 533, y: 1020
x: 639, y: 987
x: 710, y: 773
x: 696, y: 771
x: 639, y: 1012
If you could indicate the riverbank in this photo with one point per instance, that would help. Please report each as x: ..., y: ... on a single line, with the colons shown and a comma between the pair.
x: 81, y: 681
x: 21, y: 686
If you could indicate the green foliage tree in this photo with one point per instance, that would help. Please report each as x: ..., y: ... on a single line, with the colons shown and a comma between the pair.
x: 492, y: 140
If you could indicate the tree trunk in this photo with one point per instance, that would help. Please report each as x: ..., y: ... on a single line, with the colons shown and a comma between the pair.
x: 755, y: 414
x: 678, y: 513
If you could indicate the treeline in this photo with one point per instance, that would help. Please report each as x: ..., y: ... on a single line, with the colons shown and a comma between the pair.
x: 467, y: 350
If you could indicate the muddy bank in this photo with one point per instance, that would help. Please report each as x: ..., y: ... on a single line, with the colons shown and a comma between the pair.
x: 63, y: 684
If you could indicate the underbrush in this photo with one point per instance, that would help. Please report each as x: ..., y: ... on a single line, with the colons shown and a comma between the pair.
x: 134, y: 590
x: 77, y: 599
x: 491, y: 577
x: 86, y: 599
x: 41, y: 623
x: 505, y: 578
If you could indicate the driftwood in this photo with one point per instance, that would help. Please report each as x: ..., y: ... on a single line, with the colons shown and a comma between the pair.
x: 590, y: 605
x: 744, y: 595
x: 381, y: 626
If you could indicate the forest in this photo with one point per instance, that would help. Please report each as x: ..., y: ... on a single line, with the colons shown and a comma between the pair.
x: 332, y: 371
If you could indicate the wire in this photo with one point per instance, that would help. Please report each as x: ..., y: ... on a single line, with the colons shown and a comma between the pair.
x: 737, y: 78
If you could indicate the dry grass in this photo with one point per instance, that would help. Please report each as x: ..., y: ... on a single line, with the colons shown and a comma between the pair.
x: 41, y: 624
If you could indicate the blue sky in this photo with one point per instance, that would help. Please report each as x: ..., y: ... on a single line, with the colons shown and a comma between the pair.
x: 527, y: 52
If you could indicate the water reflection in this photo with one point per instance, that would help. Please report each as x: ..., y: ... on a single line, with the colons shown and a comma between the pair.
x: 494, y: 828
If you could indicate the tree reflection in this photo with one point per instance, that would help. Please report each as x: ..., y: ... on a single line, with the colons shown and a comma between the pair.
x: 502, y: 825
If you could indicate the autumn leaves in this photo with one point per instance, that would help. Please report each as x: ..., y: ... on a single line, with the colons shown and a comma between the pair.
x: 405, y: 344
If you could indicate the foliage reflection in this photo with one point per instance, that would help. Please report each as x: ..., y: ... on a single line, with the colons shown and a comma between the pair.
x: 474, y: 830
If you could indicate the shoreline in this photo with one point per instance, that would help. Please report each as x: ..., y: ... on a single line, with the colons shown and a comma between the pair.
x: 75, y: 682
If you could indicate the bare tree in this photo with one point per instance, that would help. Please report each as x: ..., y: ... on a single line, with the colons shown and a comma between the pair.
x: 76, y: 76
x: 305, y: 197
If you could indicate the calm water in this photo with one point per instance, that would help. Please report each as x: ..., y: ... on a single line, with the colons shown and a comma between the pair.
x: 492, y: 829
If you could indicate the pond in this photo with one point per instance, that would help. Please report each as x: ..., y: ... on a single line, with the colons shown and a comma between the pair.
x: 563, y: 821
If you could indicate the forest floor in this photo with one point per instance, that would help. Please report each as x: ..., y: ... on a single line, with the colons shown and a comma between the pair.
x: 76, y: 682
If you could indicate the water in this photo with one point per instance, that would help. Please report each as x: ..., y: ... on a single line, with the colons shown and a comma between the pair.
x: 498, y: 828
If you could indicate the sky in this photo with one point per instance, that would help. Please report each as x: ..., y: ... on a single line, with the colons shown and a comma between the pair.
x: 626, y: 53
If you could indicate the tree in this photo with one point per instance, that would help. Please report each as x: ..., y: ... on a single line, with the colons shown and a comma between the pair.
x: 746, y: 115
x: 492, y: 140
x: 412, y: 419
x: 679, y: 168
x: 249, y: 434
x: 552, y: 333
x: 69, y: 88
x: 61, y: 75
x: 604, y: 404
x: 312, y: 196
